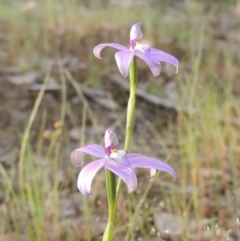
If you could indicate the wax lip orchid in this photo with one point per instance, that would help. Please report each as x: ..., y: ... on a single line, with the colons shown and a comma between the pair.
x: 152, y: 57
x: 117, y: 161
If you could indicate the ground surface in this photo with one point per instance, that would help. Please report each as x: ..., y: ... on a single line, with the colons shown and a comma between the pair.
x: 189, y: 119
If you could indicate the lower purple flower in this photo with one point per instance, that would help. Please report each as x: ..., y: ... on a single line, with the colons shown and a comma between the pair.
x: 117, y: 161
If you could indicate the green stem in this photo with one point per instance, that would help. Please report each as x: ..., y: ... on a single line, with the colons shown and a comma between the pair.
x: 131, y: 103
x: 111, y: 195
x: 130, y: 117
x: 112, y: 191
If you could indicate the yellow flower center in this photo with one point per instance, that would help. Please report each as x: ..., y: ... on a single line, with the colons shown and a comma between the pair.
x: 113, y: 150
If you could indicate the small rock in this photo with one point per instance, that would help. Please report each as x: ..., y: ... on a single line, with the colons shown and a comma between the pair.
x: 168, y: 225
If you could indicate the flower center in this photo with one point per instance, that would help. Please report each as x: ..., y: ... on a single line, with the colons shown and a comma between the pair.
x: 113, y: 153
x: 141, y: 47
x: 113, y: 150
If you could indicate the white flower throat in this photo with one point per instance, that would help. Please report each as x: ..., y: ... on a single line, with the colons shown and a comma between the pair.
x: 141, y: 47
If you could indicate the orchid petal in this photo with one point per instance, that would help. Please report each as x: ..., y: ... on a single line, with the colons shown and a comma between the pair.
x: 154, y: 66
x: 98, y: 48
x: 137, y: 160
x: 124, y: 173
x: 87, y: 174
x: 124, y: 59
x: 94, y: 150
x: 158, y: 55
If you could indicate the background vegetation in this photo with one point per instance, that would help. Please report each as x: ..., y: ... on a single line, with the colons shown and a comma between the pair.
x: 55, y: 96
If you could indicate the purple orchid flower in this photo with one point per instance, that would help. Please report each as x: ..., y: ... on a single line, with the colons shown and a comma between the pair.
x: 151, y: 56
x: 117, y: 161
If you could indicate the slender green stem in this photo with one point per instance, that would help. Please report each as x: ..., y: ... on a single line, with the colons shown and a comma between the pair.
x: 112, y: 191
x: 26, y: 134
x: 111, y: 195
x: 131, y: 103
x: 130, y: 116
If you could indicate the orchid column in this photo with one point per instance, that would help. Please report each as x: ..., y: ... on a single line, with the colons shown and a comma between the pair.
x: 120, y: 162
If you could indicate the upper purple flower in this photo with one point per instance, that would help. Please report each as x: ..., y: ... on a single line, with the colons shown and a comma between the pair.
x: 117, y: 161
x: 151, y: 56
